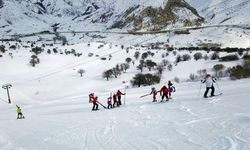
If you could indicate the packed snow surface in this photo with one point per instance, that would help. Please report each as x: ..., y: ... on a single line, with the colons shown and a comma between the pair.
x: 185, y: 122
x: 54, y: 100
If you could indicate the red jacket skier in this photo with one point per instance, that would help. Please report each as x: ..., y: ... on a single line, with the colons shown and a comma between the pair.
x: 115, y: 100
x: 119, y: 94
x: 154, y: 92
x: 164, y: 93
x: 109, y: 101
x: 94, y: 101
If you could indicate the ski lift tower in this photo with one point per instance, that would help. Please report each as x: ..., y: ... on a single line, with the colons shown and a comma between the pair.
x: 126, y: 84
x: 7, y: 87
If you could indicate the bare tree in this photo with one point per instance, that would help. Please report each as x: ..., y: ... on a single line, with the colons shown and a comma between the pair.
x: 107, y: 74
x: 160, y: 69
x: 124, y: 67
x: 128, y: 60
x: 150, y: 64
x: 81, y: 72
x: 218, y: 68
x: 34, y: 60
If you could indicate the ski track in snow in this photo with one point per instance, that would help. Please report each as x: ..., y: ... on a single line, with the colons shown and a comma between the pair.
x: 62, y: 120
x: 176, y: 119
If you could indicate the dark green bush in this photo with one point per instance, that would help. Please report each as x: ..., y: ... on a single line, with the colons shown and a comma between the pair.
x: 145, y: 79
x: 240, y: 71
x: 246, y: 57
x: 214, y: 56
x: 186, y: 57
x: 229, y: 58
x: 197, y: 56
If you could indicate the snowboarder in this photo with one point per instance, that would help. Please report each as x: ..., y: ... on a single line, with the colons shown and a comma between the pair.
x: 115, y: 101
x: 164, y: 93
x: 209, y: 80
x: 94, y: 101
x: 119, y: 94
x: 19, y: 113
x: 109, y: 101
x: 171, y: 88
x: 154, y: 92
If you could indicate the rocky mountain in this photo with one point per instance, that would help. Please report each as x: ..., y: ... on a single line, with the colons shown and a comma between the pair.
x: 32, y: 16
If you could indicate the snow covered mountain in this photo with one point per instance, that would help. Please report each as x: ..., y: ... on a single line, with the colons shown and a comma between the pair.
x: 28, y: 16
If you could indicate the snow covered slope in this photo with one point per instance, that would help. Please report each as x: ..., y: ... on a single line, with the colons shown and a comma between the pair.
x: 186, y: 122
x: 223, y: 11
x: 54, y: 100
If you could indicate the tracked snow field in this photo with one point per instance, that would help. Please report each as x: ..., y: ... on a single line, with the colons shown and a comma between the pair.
x: 54, y: 100
x: 185, y: 122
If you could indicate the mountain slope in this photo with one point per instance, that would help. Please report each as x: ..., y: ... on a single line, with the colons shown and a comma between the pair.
x: 35, y: 16
x: 223, y: 11
x: 32, y: 16
x: 174, y: 12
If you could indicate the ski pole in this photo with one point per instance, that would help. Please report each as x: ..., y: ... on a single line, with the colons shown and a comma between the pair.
x: 145, y: 95
x: 218, y: 87
x: 200, y: 90
x: 125, y: 94
x: 102, y: 105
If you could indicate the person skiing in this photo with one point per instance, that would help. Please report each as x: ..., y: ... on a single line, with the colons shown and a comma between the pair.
x: 115, y: 101
x: 109, y: 101
x: 164, y: 93
x: 19, y: 113
x: 154, y: 92
x: 119, y: 94
x: 94, y: 101
x: 209, y: 80
x: 171, y: 88
x: 90, y: 97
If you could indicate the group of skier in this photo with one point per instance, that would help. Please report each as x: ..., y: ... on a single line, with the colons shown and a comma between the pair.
x: 165, y: 92
x: 112, y: 101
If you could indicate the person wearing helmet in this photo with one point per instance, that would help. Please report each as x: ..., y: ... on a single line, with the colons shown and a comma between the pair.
x: 19, y: 113
x: 164, y: 93
x: 209, y: 80
x: 154, y: 92
x: 95, y: 104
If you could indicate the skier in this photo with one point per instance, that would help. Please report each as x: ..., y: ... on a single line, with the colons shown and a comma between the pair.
x: 209, y: 80
x: 94, y: 101
x: 171, y: 88
x: 119, y: 94
x: 115, y: 101
x: 164, y: 93
x: 109, y: 101
x: 154, y: 92
x: 19, y: 113
x: 90, y: 97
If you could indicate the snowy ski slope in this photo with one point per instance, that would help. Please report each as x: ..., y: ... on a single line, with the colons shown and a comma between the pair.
x: 54, y: 100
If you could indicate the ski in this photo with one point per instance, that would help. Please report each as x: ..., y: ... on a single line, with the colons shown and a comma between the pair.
x: 144, y: 95
x: 218, y: 94
x: 21, y: 118
x: 214, y: 95
x: 102, y: 105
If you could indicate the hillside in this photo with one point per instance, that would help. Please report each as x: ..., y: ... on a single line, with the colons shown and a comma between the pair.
x: 78, y: 15
x: 54, y: 100
x: 34, y: 16
x: 54, y: 53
